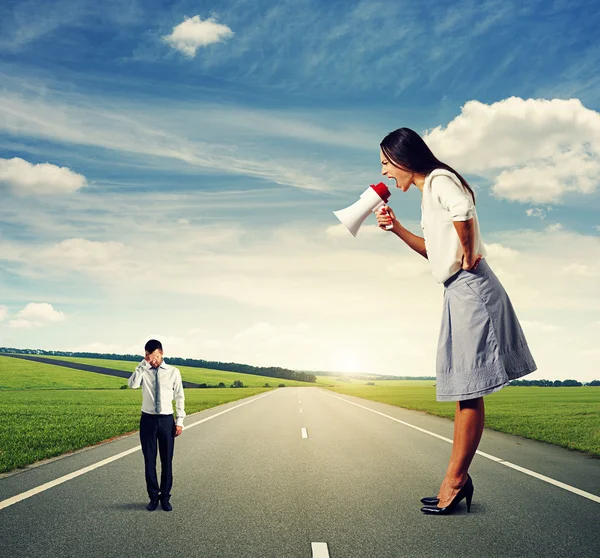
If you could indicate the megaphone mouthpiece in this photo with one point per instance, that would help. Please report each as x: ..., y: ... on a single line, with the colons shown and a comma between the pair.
x: 382, y: 191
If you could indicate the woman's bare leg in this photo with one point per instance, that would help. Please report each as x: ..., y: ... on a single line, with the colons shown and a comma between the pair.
x: 468, y: 428
x: 454, y: 447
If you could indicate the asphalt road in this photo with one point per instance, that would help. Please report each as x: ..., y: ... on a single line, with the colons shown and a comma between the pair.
x: 248, y: 484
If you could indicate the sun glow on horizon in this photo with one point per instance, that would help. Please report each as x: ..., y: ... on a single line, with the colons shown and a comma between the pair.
x: 348, y: 361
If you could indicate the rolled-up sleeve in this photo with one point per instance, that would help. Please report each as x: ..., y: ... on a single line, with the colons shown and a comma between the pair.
x: 135, y: 380
x: 179, y: 397
x: 454, y: 198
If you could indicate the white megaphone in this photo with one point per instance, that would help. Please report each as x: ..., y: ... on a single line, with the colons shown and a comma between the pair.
x: 372, y: 199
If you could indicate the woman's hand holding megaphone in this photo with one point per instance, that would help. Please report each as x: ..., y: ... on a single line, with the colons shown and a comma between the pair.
x: 386, y: 219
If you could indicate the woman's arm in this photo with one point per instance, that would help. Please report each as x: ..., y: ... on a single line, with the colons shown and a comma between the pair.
x: 466, y: 235
x: 385, y: 216
x: 460, y: 205
x: 417, y: 243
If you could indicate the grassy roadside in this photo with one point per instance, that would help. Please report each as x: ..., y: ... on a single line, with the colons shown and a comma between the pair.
x: 38, y: 424
x: 568, y: 417
x: 18, y: 374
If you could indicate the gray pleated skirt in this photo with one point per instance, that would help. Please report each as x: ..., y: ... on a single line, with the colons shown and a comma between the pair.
x: 481, y: 345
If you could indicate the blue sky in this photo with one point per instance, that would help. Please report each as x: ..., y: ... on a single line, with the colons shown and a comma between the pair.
x: 170, y: 169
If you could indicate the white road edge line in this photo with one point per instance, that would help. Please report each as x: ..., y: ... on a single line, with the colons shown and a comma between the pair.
x: 304, y: 433
x: 319, y: 550
x: 568, y: 487
x: 43, y: 487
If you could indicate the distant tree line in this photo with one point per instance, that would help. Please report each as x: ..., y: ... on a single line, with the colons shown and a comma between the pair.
x: 360, y: 376
x: 372, y: 377
x: 554, y: 383
x: 402, y: 378
x: 271, y: 371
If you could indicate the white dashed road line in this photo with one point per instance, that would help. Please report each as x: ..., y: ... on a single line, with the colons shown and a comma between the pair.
x: 304, y: 433
x: 319, y: 550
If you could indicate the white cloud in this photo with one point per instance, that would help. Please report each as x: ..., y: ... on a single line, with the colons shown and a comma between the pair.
x: 554, y: 228
x: 534, y: 276
x: 193, y: 33
x: 96, y: 347
x: 21, y: 324
x: 3, y: 313
x: 264, y: 339
x: 183, y: 221
x: 341, y: 232
x: 41, y: 311
x: 409, y: 269
x: 24, y: 178
x: 536, y: 212
x: 583, y: 270
x: 536, y: 150
x: 37, y: 314
x: 547, y: 181
x: 541, y: 326
x: 496, y: 251
x: 85, y: 255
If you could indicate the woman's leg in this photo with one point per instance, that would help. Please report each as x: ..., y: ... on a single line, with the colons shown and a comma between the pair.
x: 468, y: 428
x: 454, y: 446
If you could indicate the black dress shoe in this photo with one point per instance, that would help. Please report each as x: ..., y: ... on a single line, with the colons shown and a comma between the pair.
x: 152, y: 505
x: 166, y: 505
x: 466, y: 492
x: 430, y: 500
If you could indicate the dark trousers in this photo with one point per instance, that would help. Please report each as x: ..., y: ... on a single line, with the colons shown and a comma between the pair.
x: 161, y: 429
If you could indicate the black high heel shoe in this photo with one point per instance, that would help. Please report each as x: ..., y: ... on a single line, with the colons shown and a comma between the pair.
x: 466, y: 492
x: 430, y: 500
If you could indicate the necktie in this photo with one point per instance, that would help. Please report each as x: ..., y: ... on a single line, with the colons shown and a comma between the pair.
x: 157, y: 394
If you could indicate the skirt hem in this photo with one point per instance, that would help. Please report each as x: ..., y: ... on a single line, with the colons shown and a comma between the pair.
x: 486, y: 391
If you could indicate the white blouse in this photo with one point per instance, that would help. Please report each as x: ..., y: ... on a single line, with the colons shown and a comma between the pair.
x: 446, y: 200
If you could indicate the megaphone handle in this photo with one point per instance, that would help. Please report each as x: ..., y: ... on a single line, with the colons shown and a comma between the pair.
x: 391, y: 225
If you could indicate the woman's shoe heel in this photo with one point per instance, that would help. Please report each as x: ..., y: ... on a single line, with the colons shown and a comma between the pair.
x: 469, y: 498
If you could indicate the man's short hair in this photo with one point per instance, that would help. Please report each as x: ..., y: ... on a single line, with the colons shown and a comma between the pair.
x: 152, y: 345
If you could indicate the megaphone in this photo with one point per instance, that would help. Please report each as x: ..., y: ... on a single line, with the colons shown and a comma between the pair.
x: 372, y: 199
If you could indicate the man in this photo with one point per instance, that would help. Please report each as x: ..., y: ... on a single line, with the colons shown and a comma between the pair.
x: 161, y: 384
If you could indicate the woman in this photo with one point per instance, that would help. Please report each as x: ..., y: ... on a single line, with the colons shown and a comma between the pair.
x: 481, y: 345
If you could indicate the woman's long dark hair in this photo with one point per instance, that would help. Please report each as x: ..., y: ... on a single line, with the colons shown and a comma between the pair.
x: 406, y: 149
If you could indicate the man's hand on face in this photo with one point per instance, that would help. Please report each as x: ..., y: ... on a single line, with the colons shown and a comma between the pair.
x: 154, y: 359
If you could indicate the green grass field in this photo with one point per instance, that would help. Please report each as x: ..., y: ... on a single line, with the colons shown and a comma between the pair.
x: 564, y: 416
x: 24, y: 374
x: 201, y: 375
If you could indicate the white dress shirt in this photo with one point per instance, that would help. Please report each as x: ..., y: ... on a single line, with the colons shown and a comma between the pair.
x: 170, y: 387
x: 446, y: 200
